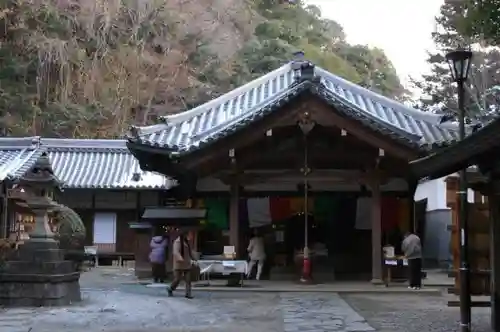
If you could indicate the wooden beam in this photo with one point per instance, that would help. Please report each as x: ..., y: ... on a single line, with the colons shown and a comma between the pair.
x: 244, y: 137
x: 325, y: 114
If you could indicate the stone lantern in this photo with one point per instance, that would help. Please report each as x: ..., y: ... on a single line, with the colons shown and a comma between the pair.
x: 37, y: 274
x: 39, y: 183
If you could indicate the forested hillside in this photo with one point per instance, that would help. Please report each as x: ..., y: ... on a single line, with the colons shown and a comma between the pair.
x: 90, y: 68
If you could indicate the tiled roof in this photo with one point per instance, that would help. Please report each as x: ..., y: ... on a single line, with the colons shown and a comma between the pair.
x: 480, y: 147
x: 92, y: 164
x: 188, y: 130
x: 17, y: 156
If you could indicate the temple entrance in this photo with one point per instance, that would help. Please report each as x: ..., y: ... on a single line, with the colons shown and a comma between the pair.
x: 312, y: 131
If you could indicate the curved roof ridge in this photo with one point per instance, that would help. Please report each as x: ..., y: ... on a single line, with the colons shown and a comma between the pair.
x: 19, y: 142
x: 420, y: 115
x: 147, y: 130
x: 183, y: 116
x: 83, y: 143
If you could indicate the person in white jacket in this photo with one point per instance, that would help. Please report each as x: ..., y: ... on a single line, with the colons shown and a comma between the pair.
x: 257, y: 254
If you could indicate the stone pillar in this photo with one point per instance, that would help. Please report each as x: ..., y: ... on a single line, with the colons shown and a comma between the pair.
x: 376, y: 233
x: 494, y: 207
x: 41, y: 231
x: 234, y: 205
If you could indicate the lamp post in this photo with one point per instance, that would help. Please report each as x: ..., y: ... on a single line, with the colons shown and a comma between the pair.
x: 460, y: 62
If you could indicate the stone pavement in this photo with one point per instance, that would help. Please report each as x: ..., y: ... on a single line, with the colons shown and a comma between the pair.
x: 313, y: 313
x: 115, y: 302
x: 135, y: 308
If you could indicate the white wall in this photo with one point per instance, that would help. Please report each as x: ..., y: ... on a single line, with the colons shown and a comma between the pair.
x: 435, y: 192
x: 104, y: 228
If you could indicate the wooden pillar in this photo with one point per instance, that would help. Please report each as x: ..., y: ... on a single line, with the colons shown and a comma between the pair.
x: 412, y: 188
x: 376, y: 233
x: 234, y: 204
x: 494, y: 207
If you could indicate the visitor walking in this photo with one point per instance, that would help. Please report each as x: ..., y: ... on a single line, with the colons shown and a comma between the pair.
x: 257, y: 254
x: 412, y: 249
x: 158, y: 256
x: 183, y: 260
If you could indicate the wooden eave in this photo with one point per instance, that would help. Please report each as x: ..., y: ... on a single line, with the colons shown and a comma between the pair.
x: 480, y: 148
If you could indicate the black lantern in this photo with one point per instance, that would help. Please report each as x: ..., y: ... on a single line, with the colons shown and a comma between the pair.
x: 459, y: 62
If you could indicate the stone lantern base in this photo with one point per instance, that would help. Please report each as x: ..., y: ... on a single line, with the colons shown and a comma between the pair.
x: 38, y: 275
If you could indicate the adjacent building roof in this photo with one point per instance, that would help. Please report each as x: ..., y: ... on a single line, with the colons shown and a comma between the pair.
x: 17, y: 156
x: 477, y: 148
x: 189, y: 130
x: 92, y: 164
x: 80, y: 163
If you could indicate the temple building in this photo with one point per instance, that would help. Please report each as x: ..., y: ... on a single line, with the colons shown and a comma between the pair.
x: 317, y: 163
x: 100, y: 180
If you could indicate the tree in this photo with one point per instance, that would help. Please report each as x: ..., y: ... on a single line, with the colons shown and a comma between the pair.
x: 482, y: 20
x: 439, y: 93
x: 90, y: 69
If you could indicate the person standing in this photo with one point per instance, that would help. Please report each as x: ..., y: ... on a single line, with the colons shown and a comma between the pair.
x: 412, y: 248
x: 158, y: 257
x: 257, y: 254
x: 182, y: 264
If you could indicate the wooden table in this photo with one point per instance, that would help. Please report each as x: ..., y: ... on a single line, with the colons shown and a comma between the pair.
x: 391, y: 263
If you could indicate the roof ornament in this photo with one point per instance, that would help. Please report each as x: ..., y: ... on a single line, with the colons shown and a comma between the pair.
x: 136, y: 177
x: 134, y: 131
x: 40, y: 178
x: 303, y: 69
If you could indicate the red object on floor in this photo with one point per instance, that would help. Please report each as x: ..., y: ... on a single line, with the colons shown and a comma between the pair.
x: 306, y: 270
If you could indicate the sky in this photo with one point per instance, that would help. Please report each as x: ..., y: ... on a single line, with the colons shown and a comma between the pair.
x: 402, y: 28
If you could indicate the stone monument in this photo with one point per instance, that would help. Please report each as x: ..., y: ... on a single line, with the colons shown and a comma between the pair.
x: 37, y: 273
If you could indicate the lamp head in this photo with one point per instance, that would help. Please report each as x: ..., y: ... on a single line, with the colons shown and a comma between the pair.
x: 459, y: 62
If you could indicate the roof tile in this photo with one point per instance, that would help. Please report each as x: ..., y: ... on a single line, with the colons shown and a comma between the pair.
x: 79, y: 163
x: 17, y: 156
x: 188, y: 130
x: 96, y: 164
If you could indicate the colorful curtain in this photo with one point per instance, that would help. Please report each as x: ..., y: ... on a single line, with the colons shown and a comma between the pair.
x: 363, y: 213
x: 326, y: 208
x: 390, y: 216
x: 297, y: 205
x: 404, y: 214
x: 259, y: 212
x: 217, y: 212
x: 280, y: 208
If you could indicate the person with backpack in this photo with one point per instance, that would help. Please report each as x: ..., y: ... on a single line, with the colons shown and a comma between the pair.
x: 158, y: 256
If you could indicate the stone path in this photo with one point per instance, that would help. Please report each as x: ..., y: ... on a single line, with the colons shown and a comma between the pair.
x: 320, y: 313
x: 15, y: 320
x: 136, y: 308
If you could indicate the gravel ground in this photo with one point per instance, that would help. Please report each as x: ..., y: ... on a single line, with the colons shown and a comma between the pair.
x: 112, y: 303
x: 414, y: 313
x: 123, y: 311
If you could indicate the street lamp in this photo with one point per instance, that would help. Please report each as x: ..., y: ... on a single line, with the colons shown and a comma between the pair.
x: 460, y: 62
